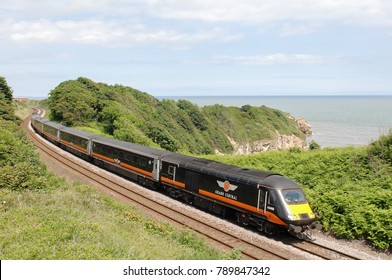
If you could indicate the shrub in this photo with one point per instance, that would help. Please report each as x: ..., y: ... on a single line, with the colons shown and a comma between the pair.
x: 382, y: 148
x: 313, y: 145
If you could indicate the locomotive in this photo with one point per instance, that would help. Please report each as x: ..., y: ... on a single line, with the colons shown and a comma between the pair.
x: 269, y: 201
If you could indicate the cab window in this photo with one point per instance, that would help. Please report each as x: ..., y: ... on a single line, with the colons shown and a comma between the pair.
x: 294, y: 196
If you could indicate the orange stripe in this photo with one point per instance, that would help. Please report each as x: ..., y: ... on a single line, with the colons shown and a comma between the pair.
x: 103, y: 157
x: 136, y: 169
x: 230, y: 201
x: 178, y: 184
x: 74, y: 146
x: 271, y: 217
x: 127, y: 166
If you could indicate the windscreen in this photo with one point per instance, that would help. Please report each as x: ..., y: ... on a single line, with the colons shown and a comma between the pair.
x: 294, y: 196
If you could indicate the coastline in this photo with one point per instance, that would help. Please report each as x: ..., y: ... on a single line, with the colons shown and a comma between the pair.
x: 336, y: 121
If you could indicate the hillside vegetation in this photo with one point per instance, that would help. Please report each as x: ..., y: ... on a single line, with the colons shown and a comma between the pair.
x: 135, y: 116
x: 349, y: 188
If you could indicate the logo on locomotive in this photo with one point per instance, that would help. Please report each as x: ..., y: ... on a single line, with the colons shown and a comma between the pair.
x: 227, y: 186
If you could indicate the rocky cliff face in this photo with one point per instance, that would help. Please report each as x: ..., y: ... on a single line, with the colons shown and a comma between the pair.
x: 280, y: 142
x: 302, y: 124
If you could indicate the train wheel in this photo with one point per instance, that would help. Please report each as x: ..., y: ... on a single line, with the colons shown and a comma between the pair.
x: 241, y: 219
x: 189, y: 199
x: 269, y: 229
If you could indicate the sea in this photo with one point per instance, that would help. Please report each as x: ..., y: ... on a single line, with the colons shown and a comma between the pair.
x: 335, y: 120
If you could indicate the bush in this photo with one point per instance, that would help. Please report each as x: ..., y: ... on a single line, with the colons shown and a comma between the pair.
x: 313, y: 145
x: 20, y: 167
x: 382, y: 148
x: 163, y: 138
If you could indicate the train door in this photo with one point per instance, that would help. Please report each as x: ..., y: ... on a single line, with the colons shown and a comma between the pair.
x: 89, y: 147
x: 262, y: 199
x: 156, y: 169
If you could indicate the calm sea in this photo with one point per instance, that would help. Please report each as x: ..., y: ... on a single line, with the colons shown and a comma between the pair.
x: 335, y: 120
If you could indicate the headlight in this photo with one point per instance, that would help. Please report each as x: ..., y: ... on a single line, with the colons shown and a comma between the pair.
x: 293, y: 217
x: 312, y: 215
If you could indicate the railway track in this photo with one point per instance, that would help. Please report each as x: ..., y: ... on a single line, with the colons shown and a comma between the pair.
x: 215, y: 234
x: 323, y: 252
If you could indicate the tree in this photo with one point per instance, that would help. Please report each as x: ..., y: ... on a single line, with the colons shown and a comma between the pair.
x: 194, y: 113
x: 313, y: 145
x: 72, y: 103
x: 5, y: 90
x: 6, y: 105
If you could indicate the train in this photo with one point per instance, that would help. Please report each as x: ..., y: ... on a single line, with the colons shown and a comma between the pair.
x: 270, y: 202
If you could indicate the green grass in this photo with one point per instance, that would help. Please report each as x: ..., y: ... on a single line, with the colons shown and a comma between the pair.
x: 76, y: 222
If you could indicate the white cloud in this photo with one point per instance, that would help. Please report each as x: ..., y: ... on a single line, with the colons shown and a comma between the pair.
x: 273, y: 59
x: 124, y: 22
x: 361, y: 12
x: 109, y: 33
x: 291, y: 29
x: 64, y: 8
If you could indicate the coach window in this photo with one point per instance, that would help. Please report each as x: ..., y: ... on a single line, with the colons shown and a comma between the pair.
x: 128, y: 157
x: 143, y: 162
x: 171, y: 170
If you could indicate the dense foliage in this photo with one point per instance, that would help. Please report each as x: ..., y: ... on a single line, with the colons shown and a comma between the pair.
x: 138, y: 117
x: 20, y: 167
x: 350, y: 189
x: 6, y: 101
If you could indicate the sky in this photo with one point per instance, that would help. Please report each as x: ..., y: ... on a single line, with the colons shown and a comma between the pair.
x: 199, y: 47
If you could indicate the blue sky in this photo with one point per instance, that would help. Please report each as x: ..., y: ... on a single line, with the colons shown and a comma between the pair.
x: 199, y: 47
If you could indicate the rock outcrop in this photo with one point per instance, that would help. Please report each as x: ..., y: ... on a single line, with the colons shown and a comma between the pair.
x: 281, y: 142
x: 302, y: 124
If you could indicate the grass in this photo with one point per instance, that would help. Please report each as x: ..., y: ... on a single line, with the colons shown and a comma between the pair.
x: 74, y: 221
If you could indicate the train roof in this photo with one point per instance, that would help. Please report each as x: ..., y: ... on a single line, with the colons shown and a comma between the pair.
x: 35, y: 116
x: 76, y: 132
x: 46, y: 122
x: 51, y: 124
x: 231, y: 172
x: 122, y: 145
